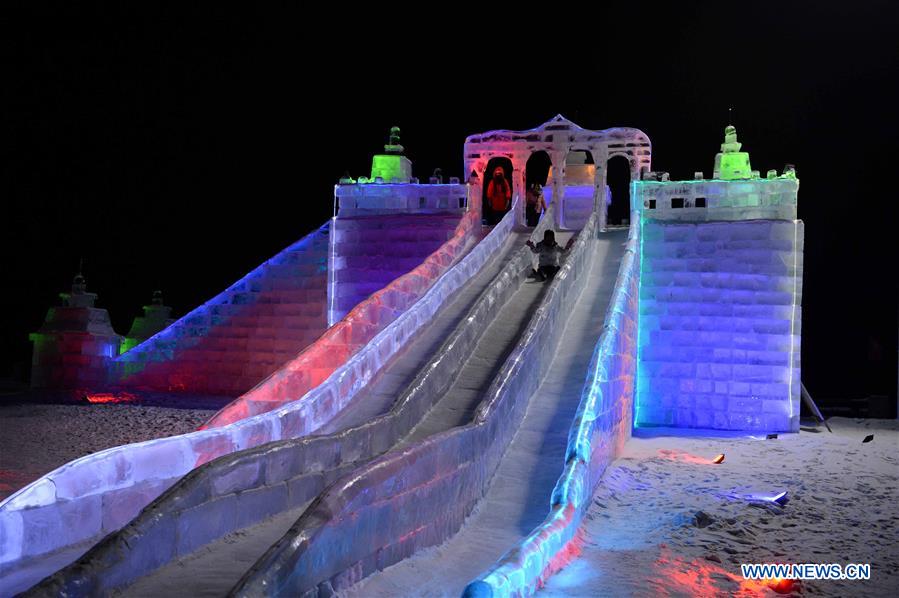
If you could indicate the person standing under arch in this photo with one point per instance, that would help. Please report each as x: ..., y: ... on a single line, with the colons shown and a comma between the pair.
x: 499, y: 196
x: 535, y: 204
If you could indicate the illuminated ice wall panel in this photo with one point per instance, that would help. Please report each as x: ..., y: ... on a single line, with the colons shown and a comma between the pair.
x: 238, y: 338
x: 577, y: 205
x: 701, y: 200
x: 720, y: 325
x: 367, y: 252
x: 368, y: 199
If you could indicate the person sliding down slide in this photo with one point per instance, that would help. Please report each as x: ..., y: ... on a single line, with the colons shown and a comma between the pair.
x: 549, y: 252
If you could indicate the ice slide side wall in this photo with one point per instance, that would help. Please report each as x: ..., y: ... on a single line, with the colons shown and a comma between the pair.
x: 419, y: 496
x: 92, y: 496
x: 244, y: 488
x: 598, y: 433
x: 345, y: 338
x: 720, y: 320
x: 237, y: 338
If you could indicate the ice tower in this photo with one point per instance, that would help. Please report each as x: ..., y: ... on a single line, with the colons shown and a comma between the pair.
x: 156, y: 317
x: 385, y: 226
x: 392, y: 166
x: 720, y: 295
x: 74, y: 344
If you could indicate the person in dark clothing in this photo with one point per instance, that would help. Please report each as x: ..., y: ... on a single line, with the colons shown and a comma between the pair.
x: 550, y: 253
x: 535, y: 204
x: 499, y: 196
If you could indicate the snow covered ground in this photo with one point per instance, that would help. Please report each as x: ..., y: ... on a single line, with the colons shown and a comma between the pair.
x: 660, y: 524
x: 36, y: 438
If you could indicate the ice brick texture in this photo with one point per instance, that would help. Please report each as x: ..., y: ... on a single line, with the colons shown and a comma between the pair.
x: 72, y: 348
x: 350, y: 334
x: 720, y: 325
x: 370, y: 251
x: 235, y: 340
x: 752, y: 199
x: 576, y: 205
x: 408, y: 198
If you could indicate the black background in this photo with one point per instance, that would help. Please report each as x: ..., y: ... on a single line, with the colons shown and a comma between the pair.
x: 178, y: 151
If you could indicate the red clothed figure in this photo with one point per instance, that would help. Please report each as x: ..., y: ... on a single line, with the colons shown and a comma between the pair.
x: 499, y: 193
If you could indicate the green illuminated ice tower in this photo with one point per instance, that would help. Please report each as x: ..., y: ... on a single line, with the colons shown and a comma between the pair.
x: 731, y: 163
x: 392, y: 166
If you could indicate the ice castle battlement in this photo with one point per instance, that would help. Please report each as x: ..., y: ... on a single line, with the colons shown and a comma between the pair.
x: 720, y: 300
x: 711, y: 200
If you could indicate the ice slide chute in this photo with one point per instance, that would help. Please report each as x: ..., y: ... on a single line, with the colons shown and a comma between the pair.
x: 57, y: 517
x: 601, y: 426
x: 283, y: 477
x: 420, y: 494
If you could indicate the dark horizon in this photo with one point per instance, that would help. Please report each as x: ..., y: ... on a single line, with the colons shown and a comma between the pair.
x: 180, y: 154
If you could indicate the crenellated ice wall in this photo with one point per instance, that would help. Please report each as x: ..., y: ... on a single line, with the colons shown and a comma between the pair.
x: 408, y: 198
x: 380, y: 232
x: 716, y: 200
x: 720, y: 304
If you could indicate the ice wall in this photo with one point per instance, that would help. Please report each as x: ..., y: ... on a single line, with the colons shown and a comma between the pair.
x: 340, y: 342
x: 575, y: 207
x: 720, y: 325
x: 233, y: 341
x: 367, y: 252
x: 411, y: 198
x: 715, y: 200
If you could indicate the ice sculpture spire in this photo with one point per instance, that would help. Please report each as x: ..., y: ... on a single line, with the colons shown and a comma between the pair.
x: 392, y: 166
x: 730, y: 162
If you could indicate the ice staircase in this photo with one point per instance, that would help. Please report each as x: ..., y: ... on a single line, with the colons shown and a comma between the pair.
x: 239, y: 337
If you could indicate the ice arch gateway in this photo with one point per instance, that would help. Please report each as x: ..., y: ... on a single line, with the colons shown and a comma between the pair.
x: 559, y: 138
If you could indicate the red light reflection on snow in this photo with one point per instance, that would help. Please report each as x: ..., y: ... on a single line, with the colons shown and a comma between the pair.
x: 108, y: 397
x: 685, y: 457
x: 705, y: 578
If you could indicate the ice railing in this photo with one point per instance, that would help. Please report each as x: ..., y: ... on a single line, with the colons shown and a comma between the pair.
x: 83, y: 499
x: 600, y: 427
x: 305, y: 465
x: 419, y: 496
x: 164, y: 343
x: 406, y: 198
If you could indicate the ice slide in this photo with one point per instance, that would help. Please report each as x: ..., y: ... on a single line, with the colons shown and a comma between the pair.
x: 287, y: 487
x: 55, y: 519
x: 420, y: 494
x: 517, y: 498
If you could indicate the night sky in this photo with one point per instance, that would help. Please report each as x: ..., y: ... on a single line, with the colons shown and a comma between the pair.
x: 178, y: 151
